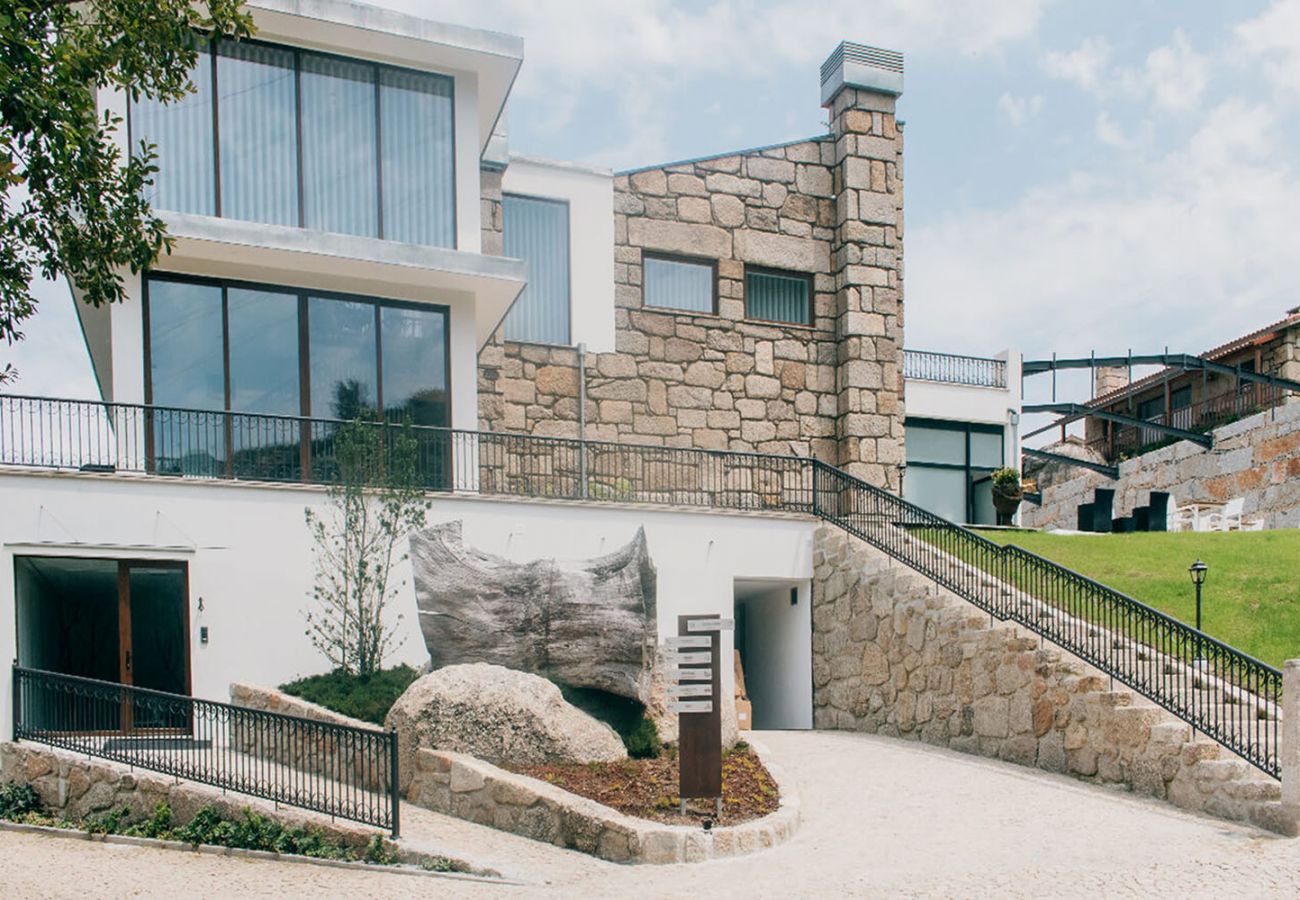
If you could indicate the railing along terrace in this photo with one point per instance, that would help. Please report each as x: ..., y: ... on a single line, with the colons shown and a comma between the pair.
x: 96, y: 436
x: 338, y: 770
x: 975, y: 371
x: 1219, y: 690
x: 1202, y: 416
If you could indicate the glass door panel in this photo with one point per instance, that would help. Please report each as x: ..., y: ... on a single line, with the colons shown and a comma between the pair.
x: 157, y: 656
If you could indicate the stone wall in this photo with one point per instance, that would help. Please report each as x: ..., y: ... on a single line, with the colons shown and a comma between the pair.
x: 1256, y: 458
x: 893, y: 654
x: 73, y: 786
x: 829, y: 207
x: 468, y: 788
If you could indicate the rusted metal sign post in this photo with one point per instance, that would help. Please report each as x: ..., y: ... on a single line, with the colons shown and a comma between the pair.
x: 696, y: 692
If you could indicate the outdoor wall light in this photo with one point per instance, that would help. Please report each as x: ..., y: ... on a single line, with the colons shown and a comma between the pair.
x: 1198, y: 570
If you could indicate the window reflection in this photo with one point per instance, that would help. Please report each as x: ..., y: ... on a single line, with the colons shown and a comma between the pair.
x: 415, y: 366
x: 263, y: 329
x: 186, y: 370
x: 342, y: 359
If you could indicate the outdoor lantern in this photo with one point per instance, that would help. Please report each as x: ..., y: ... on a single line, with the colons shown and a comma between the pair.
x: 1197, y: 570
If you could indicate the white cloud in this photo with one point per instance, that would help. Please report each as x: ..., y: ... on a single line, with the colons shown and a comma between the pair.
x: 1175, y: 74
x: 1083, y: 65
x: 1109, y: 132
x: 1275, y: 36
x: 1019, y: 110
x: 1183, y: 248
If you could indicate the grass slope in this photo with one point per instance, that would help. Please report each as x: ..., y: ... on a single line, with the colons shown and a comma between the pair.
x: 1251, y: 596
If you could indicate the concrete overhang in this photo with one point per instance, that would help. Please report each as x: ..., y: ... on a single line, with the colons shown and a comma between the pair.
x: 371, y: 32
x: 296, y: 257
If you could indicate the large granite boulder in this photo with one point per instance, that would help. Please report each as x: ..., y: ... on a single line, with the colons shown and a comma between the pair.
x: 587, y: 623
x: 498, y: 715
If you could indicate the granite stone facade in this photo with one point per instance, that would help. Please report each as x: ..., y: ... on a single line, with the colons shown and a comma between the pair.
x: 829, y: 208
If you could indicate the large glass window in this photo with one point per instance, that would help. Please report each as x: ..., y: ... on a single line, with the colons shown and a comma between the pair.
x: 686, y: 284
x: 344, y: 374
x: 308, y: 139
x: 537, y: 231
x: 949, y: 465
x: 778, y: 296
x: 415, y: 365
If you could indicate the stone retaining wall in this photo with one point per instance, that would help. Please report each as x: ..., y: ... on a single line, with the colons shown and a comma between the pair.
x: 316, y: 752
x: 471, y: 789
x: 74, y: 786
x: 893, y: 654
x: 1256, y: 458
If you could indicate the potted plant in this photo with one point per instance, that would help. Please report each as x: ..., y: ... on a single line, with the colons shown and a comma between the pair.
x: 1007, y: 494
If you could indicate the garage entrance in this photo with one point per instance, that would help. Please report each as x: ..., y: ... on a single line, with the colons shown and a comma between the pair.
x: 774, y: 641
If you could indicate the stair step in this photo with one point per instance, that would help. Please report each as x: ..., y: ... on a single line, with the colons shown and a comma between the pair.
x: 1230, y: 769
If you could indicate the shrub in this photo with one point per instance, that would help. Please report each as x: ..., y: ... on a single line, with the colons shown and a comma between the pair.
x: 18, y: 800
x: 365, y: 697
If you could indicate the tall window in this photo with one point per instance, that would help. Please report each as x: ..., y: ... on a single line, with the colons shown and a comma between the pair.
x: 949, y: 465
x: 679, y: 283
x: 778, y: 296
x: 291, y: 137
x: 537, y: 231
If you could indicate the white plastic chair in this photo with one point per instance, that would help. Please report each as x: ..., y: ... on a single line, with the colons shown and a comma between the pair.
x: 1231, y: 518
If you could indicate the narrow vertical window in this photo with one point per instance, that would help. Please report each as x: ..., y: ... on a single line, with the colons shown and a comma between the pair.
x: 415, y: 365
x: 417, y: 148
x: 257, y: 113
x: 344, y: 376
x: 340, y: 181
x: 182, y: 135
x: 537, y: 231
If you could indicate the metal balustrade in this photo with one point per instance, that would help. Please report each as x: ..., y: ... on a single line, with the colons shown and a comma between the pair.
x: 1219, y: 690
x: 973, y: 371
x: 339, y: 770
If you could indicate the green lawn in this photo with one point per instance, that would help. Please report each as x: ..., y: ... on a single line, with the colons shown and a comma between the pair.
x: 1251, y: 596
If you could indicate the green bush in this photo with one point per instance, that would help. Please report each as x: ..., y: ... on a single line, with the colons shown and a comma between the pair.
x: 18, y: 800
x: 365, y: 697
x: 626, y: 717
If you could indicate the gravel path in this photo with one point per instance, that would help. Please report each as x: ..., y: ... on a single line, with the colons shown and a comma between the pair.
x: 881, y: 817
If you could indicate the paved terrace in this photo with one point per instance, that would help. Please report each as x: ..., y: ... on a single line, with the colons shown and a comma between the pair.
x: 881, y: 817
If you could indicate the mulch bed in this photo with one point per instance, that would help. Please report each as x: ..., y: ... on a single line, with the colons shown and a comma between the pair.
x: 647, y: 788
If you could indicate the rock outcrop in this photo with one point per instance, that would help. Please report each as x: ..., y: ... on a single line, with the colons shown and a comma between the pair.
x: 499, y: 715
x: 588, y: 624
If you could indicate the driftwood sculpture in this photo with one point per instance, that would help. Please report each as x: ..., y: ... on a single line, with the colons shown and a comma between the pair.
x: 588, y: 624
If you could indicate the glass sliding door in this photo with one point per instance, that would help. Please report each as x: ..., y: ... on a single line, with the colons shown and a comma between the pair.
x: 264, y: 379
x: 418, y: 157
x: 949, y: 465
x: 339, y: 158
x: 257, y: 113
x: 187, y: 369
x: 415, y: 383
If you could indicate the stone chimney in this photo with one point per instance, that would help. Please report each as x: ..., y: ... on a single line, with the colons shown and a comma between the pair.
x: 1108, y: 378
x: 860, y: 86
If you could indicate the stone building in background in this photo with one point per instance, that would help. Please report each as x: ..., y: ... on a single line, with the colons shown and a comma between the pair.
x: 743, y: 301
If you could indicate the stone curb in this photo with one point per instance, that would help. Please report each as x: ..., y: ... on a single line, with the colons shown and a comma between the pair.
x: 467, y: 788
x: 239, y: 853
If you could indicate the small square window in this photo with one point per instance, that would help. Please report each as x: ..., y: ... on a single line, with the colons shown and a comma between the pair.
x: 672, y: 282
x: 775, y: 296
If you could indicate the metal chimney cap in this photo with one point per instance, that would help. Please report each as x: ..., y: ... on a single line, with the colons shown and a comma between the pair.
x: 861, y: 66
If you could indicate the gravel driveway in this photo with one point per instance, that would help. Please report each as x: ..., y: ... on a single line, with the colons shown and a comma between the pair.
x: 882, y: 817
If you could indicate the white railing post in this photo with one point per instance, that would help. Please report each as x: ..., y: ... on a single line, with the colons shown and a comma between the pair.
x: 1289, y: 746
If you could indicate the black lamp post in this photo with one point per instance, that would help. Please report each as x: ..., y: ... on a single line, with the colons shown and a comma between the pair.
x: 1197, y: 570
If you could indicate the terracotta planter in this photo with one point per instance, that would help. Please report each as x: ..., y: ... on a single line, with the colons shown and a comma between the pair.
x: 1006, y: 504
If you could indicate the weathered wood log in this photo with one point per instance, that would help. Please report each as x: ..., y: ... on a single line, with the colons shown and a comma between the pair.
x: 587, y: 624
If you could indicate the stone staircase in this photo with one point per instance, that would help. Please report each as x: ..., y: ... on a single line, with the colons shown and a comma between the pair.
x: 894, y: 653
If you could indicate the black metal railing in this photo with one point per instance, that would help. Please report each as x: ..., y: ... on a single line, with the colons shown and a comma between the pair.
x: 1116, y: 441
x: 974, y: 371
x: 1219, y: 690
x: 87, y: 435
x: 339, y: 770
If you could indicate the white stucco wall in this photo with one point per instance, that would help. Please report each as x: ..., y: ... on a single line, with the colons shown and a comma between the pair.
x: 590, y: 195
x: 250, y: 558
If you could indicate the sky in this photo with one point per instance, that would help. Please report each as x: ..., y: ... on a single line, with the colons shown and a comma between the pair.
x: 1108, y: 175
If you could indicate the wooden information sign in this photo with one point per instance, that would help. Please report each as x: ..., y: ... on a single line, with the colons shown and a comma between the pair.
x: 697, y: 699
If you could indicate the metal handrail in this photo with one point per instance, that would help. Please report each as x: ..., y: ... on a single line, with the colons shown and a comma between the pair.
x: 952, y: 368
x: 1219, y: 690
x: 339, y: 770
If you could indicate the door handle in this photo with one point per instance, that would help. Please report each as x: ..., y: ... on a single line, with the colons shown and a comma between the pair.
x: 128, y: 660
